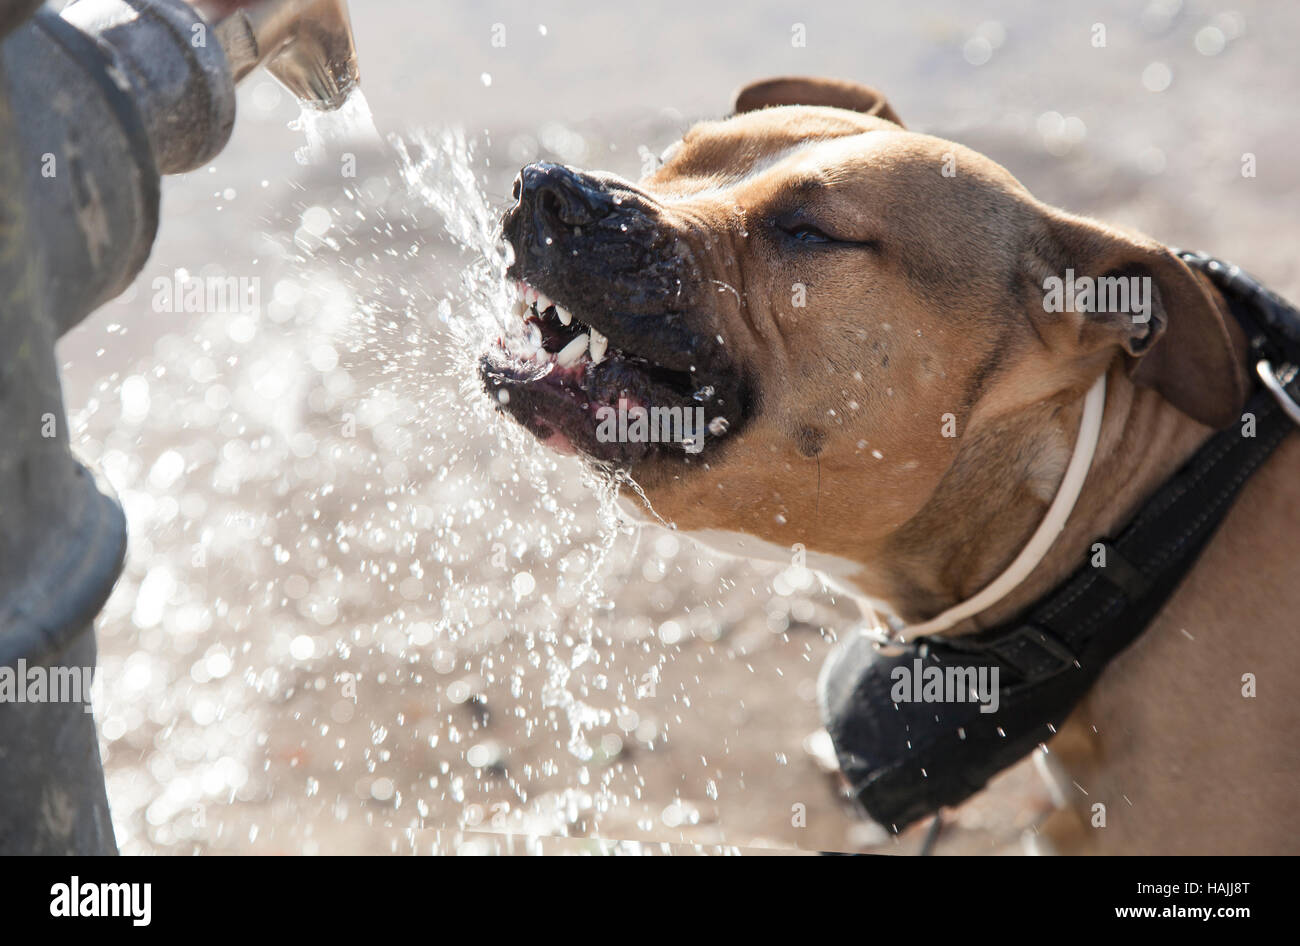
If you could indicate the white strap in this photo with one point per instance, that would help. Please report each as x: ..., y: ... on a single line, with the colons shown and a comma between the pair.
x: 1057, y: 514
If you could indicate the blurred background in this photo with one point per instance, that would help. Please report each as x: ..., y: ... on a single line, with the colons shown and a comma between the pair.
x: 361, y: 615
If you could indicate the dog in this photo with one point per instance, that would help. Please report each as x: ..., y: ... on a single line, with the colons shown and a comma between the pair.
x: 849, y: 318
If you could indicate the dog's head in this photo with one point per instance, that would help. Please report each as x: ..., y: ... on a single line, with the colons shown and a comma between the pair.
x: 842, y: 298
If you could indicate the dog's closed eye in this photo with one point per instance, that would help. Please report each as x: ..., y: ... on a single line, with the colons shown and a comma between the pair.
x: 804, y: 232
x: 807, y: 233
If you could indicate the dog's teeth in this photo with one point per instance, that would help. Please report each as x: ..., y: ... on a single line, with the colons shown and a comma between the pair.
x: 543, y: 302
x: 598, y: 345
x: 534, y: 337
x: 564, y: 315
x: 520, y: 309
x: 571, y: 352
x: 530, y: 295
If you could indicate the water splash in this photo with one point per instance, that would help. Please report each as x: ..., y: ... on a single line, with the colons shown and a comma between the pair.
x: 354, y: 591
x: 351, y: 125
x: 440, y: 170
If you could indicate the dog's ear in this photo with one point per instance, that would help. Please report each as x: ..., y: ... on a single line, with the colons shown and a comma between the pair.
x: 799, y: 90
x: 1170, y: 327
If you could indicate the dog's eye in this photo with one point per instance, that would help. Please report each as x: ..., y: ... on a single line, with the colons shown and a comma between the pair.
x: 806, y: 233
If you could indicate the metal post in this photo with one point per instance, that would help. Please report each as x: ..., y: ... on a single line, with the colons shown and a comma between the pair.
x: 95, y: 104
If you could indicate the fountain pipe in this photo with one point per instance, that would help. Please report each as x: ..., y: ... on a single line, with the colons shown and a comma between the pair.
x: 306, y: 44
x: 95, y: 104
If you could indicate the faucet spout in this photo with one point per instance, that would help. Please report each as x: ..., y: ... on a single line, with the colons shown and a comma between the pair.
x: 306, y: 44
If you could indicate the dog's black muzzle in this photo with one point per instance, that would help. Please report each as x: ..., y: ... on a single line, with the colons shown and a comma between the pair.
x: 614, y: 259
x: 598, y: 241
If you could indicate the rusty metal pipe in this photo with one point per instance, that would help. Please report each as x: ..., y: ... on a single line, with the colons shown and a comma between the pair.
x: 95, y: 103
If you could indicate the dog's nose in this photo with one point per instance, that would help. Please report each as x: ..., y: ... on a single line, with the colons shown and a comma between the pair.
x: 560, y: 198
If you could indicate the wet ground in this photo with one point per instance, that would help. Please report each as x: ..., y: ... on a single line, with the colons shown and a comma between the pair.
x: 361, y: 615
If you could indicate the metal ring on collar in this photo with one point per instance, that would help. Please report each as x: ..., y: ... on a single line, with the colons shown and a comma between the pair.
x: 1277, y: 387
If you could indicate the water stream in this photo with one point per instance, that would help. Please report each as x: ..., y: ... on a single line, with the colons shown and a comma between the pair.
x: 363, y: 612
x: 351, y: 124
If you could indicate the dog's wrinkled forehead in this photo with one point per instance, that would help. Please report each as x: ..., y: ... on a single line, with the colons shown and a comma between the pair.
x: 719, y: 151
x: 802, y: 153
x: 939, y: 209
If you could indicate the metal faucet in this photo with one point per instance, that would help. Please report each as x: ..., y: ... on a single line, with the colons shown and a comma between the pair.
x: 306, y: 44
x: 96, y: 102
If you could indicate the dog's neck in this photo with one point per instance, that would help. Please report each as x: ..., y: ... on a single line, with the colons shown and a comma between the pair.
x: 1143, y: 441
x: 939, y: 560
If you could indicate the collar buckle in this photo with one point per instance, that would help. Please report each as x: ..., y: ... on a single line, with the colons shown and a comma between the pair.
x: 1276, y: 380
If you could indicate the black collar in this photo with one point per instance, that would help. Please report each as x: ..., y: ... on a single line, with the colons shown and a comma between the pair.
x: 906, y: 759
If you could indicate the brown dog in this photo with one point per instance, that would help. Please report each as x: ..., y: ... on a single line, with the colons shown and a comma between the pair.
x: 856, y: 313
